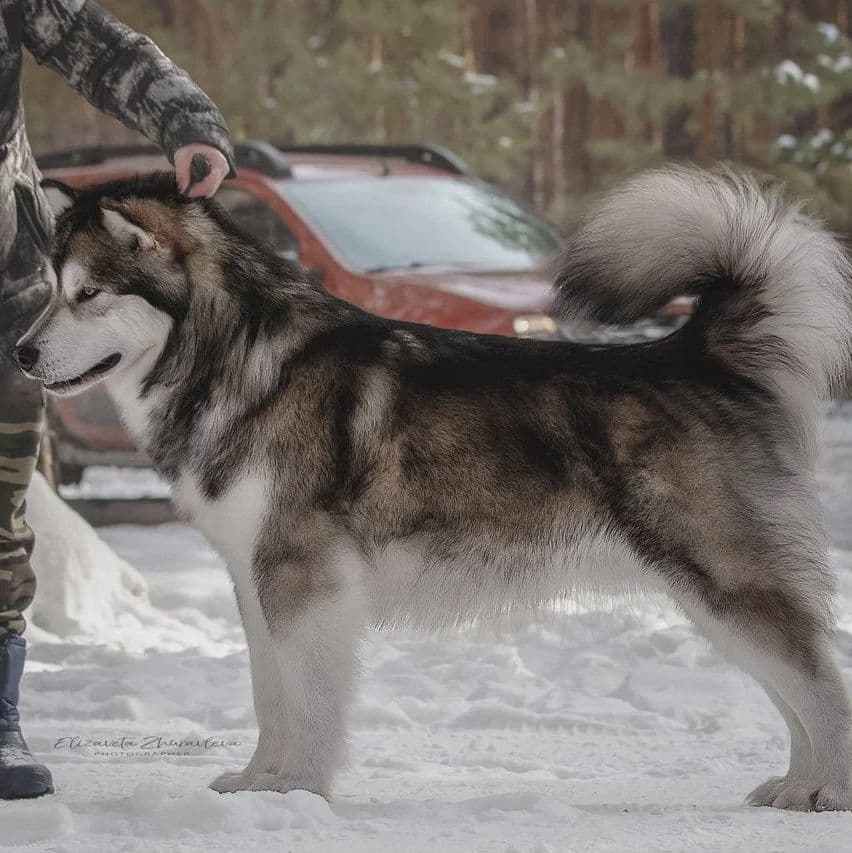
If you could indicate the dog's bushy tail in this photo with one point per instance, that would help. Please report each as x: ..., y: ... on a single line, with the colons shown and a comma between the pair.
x: 774, y: 288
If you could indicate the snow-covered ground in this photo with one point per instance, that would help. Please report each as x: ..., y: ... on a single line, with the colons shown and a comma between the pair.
x: 105, y: 483
x: 604, y: 727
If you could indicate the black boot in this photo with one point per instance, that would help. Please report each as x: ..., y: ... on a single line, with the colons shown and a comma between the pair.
x: 20, y: 774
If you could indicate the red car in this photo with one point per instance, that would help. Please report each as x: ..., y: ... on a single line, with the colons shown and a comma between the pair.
x: 403, y: 231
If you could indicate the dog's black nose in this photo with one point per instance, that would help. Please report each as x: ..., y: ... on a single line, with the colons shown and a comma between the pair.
x: 26, y: 356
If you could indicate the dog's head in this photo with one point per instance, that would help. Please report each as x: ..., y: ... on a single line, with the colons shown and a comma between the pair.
x: 119, y: 257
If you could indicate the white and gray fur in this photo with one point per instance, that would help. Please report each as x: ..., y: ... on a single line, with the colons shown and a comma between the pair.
x: 353, y: 470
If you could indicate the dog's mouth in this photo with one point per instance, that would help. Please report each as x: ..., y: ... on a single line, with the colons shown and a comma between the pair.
x: 93, y: 374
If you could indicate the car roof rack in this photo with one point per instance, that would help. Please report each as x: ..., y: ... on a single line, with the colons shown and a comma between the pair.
x: 428, y: 155
x: 263, y: 157
x: 250, y: 154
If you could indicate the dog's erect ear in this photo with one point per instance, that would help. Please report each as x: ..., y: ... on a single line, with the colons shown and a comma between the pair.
x: 123, y: 230
x: 64, y: 197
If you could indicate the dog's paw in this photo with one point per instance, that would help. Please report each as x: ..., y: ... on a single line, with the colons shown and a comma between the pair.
x: 765, y: 794
x: 230, y: 783
x: 805, y: 796
x: 832, y: 798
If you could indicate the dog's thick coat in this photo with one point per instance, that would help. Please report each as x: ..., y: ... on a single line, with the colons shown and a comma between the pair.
x: 354, y: 469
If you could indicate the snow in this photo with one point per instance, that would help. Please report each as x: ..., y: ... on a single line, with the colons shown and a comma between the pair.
x: 790, y: 72
x: 830, y: 32
x: 480, y: 83
x: 821, y: 138
x: 603, y: 726
x: 109, y: 483
x: 86, y: 592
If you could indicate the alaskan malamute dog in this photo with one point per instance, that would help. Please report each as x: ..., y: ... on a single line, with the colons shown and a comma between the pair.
x: 355, y: 470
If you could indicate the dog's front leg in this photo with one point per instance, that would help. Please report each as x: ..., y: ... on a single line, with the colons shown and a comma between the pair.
x: 314, y: 616
x: 268, y: 692
x: 303, y: 625
x: 316, y: 650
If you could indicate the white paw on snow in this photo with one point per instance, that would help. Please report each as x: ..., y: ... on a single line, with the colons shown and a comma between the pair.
x: 282, y: 783
x: 230, y: 783
x: 799, y: 795
x: 807, y: 796
x: 764, y: 794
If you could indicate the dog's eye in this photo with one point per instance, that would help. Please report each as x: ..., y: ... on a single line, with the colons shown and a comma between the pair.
x: 87, y: 293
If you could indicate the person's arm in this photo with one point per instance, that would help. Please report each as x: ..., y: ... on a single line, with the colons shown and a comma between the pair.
x: 127, y: 76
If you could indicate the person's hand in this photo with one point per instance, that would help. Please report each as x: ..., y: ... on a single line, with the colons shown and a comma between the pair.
x: 219, y: 168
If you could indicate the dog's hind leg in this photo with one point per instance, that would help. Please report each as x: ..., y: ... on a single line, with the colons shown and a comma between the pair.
x: 733, y: 530
x: 778, y: 636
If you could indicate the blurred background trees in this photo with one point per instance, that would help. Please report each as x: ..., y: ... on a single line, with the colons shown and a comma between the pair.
x: 556, y: 99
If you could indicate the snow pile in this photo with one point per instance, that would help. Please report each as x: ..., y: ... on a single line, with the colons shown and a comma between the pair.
x: 86, y: 592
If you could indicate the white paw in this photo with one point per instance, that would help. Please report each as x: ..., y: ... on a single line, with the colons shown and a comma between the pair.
x: 808, y: 796
x: 765, y: 794
x: 229, y: 783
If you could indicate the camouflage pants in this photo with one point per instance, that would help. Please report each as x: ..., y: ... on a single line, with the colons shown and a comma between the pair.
x: 24, y: 292
x: 21, y: 415
x: 21, y: 412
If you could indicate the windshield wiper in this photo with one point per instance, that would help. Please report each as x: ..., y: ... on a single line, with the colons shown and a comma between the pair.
x: 413, y: 265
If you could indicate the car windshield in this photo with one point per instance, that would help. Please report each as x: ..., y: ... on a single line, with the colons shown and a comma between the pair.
x: 409, y: 222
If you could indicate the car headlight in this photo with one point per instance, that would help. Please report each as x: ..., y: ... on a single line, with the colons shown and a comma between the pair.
x: 535, y: 326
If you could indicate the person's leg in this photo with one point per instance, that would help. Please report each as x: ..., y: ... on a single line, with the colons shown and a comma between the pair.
x: 21, y: 412
x: 26, y: 285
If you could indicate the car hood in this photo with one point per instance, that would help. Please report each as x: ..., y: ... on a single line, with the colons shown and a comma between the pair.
x: 509, y: 290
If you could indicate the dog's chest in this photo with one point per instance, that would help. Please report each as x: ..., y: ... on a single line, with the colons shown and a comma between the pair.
x: 136, y: 408
x: 232, y: 521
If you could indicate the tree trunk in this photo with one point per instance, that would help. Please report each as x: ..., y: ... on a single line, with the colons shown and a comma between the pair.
x: 560, y: 182
x: 678, y: 45
x: 534, y: 97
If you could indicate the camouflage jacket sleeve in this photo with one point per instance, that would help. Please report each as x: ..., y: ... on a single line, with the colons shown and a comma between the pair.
x: 122, y: 73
